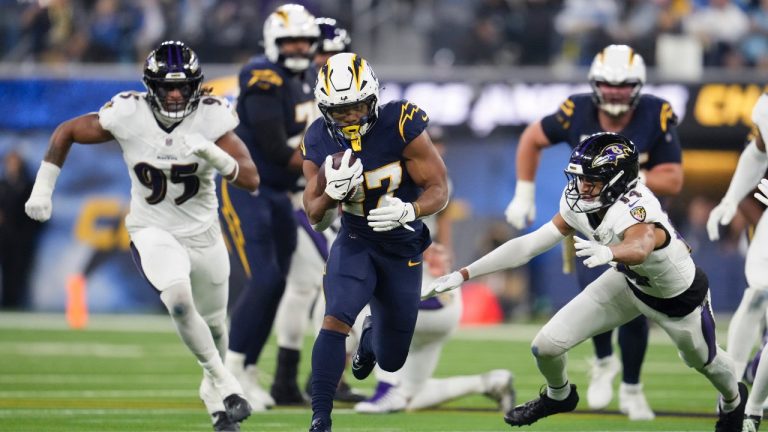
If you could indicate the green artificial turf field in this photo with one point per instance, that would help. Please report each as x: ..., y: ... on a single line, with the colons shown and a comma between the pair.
x: 132, y: 373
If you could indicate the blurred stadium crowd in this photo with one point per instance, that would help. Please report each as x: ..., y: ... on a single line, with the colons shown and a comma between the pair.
x: 730, y: 33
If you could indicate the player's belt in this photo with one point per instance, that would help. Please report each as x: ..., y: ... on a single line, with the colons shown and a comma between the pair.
x: 681, y: 304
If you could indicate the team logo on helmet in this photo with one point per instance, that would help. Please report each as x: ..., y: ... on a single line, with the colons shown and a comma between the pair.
x: 612, y: 155
x: 638, y: 213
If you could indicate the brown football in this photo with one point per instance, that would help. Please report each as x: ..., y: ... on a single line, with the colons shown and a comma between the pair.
x: 321, y: 181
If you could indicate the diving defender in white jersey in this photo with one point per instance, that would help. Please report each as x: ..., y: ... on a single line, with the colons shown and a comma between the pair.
x: 651, y: 273
x: 174, y: 139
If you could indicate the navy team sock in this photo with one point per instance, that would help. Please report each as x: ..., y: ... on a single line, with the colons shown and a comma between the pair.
x: 603, y: 344
x: 633, y: 341
x: 328, y: 357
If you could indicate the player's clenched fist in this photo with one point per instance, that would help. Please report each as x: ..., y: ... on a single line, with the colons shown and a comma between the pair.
x: 340, y: 181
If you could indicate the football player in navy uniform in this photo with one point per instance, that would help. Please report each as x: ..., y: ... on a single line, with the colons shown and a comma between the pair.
x: 651, y: 273
x: 275, y: 106
x: 615, y: 105
x: 305, y: 278
x: 396, y: 178
x: 175, y: 139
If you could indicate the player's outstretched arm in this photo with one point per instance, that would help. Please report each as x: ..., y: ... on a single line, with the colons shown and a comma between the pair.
x: 245, y: 176
x: 85, y: 129
x: 513, y: 253
x: 521, y: 211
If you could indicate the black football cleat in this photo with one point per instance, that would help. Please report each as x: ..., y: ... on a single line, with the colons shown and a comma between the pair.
x: 733, y: 421
x: 543, y: 406
x: 222, y: 422
x: 345, y: 393
x: 238, y: 408
x: 320, y: 425
x: 363, y: 362
x: 287, y: 394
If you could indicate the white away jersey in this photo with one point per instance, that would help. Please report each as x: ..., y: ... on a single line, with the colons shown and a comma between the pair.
x: 168, y: 189
x: 668, y: 270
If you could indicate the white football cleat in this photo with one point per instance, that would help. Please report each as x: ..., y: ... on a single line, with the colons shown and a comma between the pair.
x: 386, y: 399
x: 499, y: 387
x: 209, y: 395
x: 632, y: 402
x: 255, y: 390
x: 234, y: 364
x: 600, y: 391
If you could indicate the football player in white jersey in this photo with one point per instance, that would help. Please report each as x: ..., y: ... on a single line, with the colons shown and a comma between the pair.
x: 174, y: 139
x: 744, y: 326
x: 651, y: 273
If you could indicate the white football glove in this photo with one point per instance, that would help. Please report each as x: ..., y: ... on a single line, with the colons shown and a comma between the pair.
x: 206, y: 149
x: 521, y: 211
x: 340, y: 182
x: 762, y: 195
x: 722, y: 214
x: 449, y: 282
x: 598, y: 254
x: 394, y: 213
x: 40, y: 205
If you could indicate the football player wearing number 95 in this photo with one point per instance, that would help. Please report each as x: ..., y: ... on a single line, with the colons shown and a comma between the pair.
x: 651, y: 273
x: 174, y: 139
x: 397, y: 179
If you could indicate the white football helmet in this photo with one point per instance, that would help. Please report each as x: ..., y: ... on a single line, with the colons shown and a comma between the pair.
x: 615, y: 65
x: 290, y: 21
x: 344, y: 80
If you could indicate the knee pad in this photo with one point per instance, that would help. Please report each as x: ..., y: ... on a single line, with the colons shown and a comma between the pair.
x: 177, y: 298
x: 544, y: 346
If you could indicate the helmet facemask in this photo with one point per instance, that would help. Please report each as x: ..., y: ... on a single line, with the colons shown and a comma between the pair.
x: 351, y: 131
x: 296, y: 61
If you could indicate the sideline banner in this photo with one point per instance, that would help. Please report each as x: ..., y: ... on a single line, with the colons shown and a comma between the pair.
x: 712, y: 115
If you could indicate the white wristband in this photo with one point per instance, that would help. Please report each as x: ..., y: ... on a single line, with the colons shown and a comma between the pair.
x: 525, y: 189
x: 46, y: 179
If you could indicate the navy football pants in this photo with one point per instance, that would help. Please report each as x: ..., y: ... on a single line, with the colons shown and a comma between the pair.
x: 261, y: 230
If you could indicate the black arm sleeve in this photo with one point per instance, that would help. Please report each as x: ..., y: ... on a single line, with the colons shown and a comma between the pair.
x: 264, y: 112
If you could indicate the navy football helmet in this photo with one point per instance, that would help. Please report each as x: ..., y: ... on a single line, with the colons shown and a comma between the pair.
x: 171, y: 66
x: 605, y: 160
x: 333, y: 39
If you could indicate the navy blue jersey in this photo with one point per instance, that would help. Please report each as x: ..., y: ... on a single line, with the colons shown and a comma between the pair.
x: 275, y: 106
x: 653, y: 127
x: 381, y: 152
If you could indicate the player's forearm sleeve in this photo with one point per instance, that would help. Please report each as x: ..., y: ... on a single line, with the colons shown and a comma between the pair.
x: 750, y: 169
x: 517, y: 251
